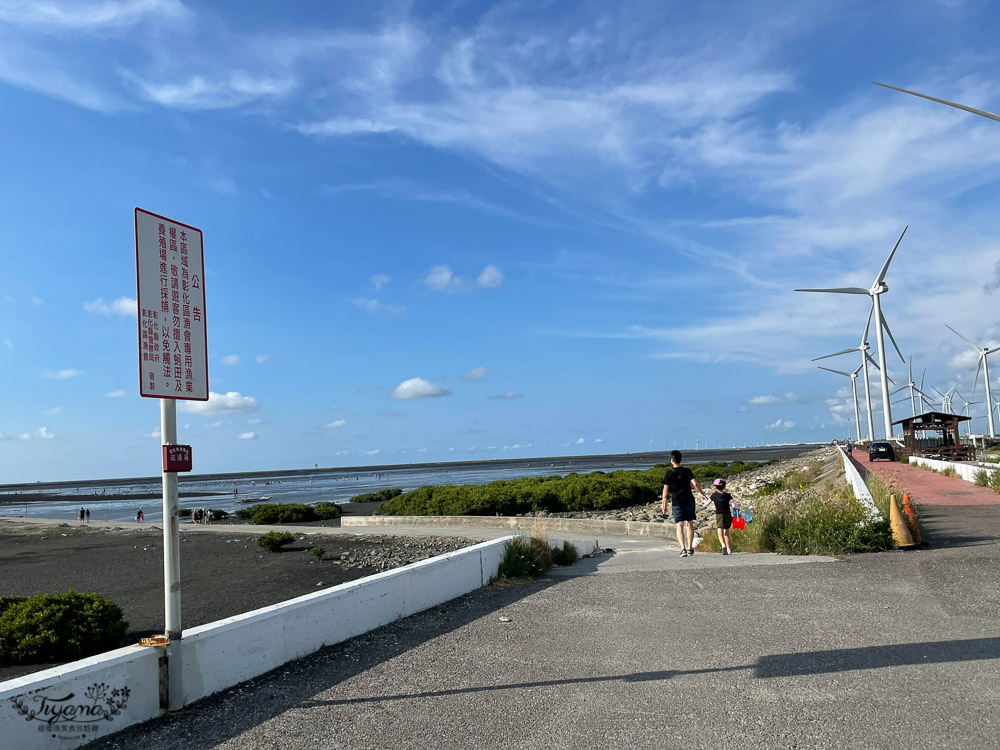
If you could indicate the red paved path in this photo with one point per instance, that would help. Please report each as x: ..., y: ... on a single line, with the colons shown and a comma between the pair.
x: 952, y: 512
x: 926, y: 487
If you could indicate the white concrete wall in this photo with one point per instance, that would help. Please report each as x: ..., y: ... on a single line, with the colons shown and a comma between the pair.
x: 224, y: 653
x: 61, y: 694
x: 857, y: 484
x: 965, y: 470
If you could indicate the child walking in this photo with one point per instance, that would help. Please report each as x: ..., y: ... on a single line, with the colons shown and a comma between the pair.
x: 723, y: 514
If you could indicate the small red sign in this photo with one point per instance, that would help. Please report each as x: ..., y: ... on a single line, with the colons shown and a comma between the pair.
x: 177, y: 458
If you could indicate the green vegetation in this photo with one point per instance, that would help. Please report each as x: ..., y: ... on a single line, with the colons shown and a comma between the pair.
x: 574, y: 492
x: 949, y: 471
x: 58, y: 627
x: 982, y: 478
x: 217, y: 514
x: 565, y: 555
x: 525, y: 558
x: 800, y: 480
x: 272, y: 513
x: 184, y: 512
x: 377, y: 497
x: 273, y: 541
x: 317, y: 552
x: 995, y: 481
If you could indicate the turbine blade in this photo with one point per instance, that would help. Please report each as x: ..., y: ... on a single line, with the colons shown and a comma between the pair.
x: 864, y: 337
x: 839, y: 372
x: 978, y: 350
x: 857, y: 370
x: 885, y: 267
x: 911, y: 368
x: 870, y: 359
x: 973, y: 110
x: 835, y: 354
x: 938, y: 392
x: 901, y: 388
x: 893, y: 340
x: 922, y: 377
x: 979, y: 365
x: 841, y: 290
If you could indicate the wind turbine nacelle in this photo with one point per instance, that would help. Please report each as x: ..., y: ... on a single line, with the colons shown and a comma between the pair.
x: 880, y: 288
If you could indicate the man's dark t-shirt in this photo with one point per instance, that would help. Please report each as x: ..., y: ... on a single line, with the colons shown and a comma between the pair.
x: 722, y: 500
x: 678, y: 483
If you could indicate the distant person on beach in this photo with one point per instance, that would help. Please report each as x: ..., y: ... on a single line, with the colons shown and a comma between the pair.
x: 723, y: 514
x: 677, y: 482
x: 88, y: 515
x: 81, y: 514
x: 138, y: 516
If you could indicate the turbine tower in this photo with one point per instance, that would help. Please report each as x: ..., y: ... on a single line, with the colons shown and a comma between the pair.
x: 967, y: 405
x: 878, y: 288
x: 983, y: 362
x: 854, y: 387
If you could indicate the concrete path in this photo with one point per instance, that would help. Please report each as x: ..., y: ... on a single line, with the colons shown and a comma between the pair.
x: 899, y: 650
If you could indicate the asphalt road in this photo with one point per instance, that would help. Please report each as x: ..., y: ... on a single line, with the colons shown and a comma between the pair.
x: 897, y: 650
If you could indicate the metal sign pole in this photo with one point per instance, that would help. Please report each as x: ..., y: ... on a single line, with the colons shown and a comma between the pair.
x: 171, y: 560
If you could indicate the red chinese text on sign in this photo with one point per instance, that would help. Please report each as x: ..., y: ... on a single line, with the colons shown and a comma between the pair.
x: 170, y: 278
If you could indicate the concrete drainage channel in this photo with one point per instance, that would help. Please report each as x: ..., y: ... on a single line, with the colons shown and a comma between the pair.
x: 74, y: 704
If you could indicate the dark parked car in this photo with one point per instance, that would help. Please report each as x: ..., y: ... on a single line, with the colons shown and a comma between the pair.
x: 881, y: 450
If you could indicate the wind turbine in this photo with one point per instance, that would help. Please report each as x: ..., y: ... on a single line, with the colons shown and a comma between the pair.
x: 967, y: 404
x: 878, y: 288
x: 854, y: 386
x: 973, y: 110
x: 913, y: 390
x: 945, y: 399
x: 985, y: 364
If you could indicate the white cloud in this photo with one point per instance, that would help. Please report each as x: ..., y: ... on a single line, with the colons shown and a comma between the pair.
x: 476, y: 374
x: 155, y: 434
x: 232, y: 402
x: 228, y: 90
x: 419, y: 388
x: 124, y: 306
x: 508, y: 396
x: 24, y: 436
x: 247, y: 436
x: 379, y: 280
x: 114, y: 394
x: 44, y: 433
x: 81, y: 15
x: 781, y: 424
x: 442, y: 279
x: 337, y: 423
x: 261, y: 358
x: 764, y: 400
x: 373, y: 305
x: 253, y: 421
x: 372, y: 452
x: 490, y: 277
x: 579, y: 441
x: 63, y: 374
x: 37, y: 301
x: 231, y: 359
x: 598, y: 440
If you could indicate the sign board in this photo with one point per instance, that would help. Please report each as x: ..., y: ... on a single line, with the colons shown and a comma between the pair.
x: 170, y: 279
x: 177, y: 458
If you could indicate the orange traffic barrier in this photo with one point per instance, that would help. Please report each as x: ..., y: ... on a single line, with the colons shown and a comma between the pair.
x: 901, y: 536
x: 911, y: 517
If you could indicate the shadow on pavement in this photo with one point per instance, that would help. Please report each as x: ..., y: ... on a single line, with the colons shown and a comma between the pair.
x: 775, y: 665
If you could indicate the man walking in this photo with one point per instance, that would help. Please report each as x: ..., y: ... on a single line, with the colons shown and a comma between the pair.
x: 677, y: 482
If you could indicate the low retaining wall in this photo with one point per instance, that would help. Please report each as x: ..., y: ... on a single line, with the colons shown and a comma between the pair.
x: 857, y: 484
x: 521, y: 523
x: 74, y: 704
x: 964, y: 469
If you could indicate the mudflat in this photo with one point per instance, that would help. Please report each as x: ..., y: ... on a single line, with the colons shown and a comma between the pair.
x: 221, y: 574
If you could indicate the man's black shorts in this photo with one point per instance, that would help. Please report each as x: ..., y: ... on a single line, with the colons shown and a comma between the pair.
x: 686, y: 512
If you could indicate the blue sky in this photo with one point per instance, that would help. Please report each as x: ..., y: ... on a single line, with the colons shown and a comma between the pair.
x: 458, y: 230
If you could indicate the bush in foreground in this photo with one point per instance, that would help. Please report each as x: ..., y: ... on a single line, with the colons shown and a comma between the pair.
x: 273, y: 541
x: 525, y: 558
x: 271, y: 513
x: 565, y: 555
x: 58, y: 627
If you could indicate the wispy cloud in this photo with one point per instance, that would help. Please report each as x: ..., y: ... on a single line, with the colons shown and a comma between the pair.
x: 475, y: 375
x: 490, y: 277
x: 443, y: 279
x: 337, y: 423
x: 43, y: 433
x: 55, y: 15
x: 124, y: 306
x: 247, y: 436
x: 230, y: 359
x: 63, y: 374
x: 373, y: 305
x: 114, y: 394
x: 379, y: 280
x: 508, y: 396
x: 764, y: 400
x: 232, y: 402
